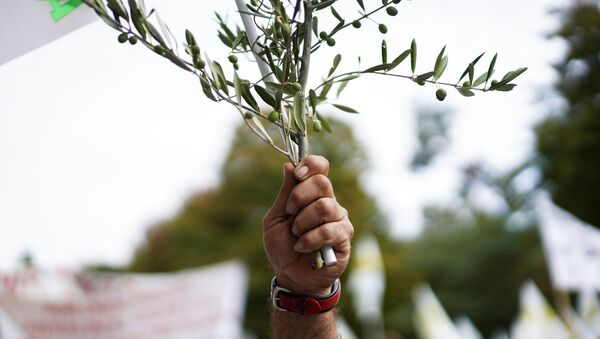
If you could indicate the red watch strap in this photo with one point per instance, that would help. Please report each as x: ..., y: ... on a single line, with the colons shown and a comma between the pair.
x: 286, y: 300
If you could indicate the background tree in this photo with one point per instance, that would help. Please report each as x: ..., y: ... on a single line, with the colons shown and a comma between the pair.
x: 568, y: 141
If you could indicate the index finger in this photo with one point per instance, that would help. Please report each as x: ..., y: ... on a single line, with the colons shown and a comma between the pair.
x: 311, y: 165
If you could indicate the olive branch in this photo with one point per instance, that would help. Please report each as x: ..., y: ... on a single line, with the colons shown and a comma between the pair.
x: 279, y: 36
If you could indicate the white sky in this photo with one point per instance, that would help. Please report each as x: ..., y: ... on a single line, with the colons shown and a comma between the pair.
x: 99, y: 140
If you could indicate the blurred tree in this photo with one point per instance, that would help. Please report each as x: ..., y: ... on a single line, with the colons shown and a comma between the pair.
x: 569, y: 141
x: 475, y: 258
x: 225, y: 222
x: 432, y: 136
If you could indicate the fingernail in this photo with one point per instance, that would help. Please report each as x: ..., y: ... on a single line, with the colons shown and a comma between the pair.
x: 289, y: 208
x: 301, y: 172
x: 295, y: 230
x: 299, y: 247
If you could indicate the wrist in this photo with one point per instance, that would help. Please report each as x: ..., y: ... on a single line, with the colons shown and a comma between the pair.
x: 316, y: 292
x: 285, y: 300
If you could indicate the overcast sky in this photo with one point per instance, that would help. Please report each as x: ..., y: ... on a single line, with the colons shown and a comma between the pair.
x: 100, y: 140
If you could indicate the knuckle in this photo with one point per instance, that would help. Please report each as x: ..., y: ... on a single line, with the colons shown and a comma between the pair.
x: 317, y: 163
x: 328, y: 234
x: 323, y: 184
x: 324, y: 206
x: 295, y: 197
x: 350, y: 229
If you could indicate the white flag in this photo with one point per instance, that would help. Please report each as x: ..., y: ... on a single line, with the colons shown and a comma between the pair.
x: 40, y: 28
x: 572, y: 248
x: 537, y: 320
x: 580, y: 328
x: 201, y: 303
x: 431, y: 319
x: 367, y: 279
x: 589, y: 310
x: 467, y: 329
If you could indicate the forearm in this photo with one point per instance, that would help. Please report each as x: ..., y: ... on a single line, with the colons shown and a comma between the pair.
x: 296, y: 326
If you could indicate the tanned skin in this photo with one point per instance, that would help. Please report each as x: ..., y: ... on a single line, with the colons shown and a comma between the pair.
x: 305, y: 217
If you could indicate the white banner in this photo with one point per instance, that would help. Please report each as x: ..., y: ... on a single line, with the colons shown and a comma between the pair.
x: 572, y: 248
x: 431, y: 319
x: 29, y: 24
x: 537, y: 319
x: 202, y: 303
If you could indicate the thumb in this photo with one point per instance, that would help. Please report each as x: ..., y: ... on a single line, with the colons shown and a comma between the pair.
x: 289, y: 182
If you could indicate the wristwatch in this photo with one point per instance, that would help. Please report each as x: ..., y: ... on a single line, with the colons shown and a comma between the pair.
x: 288, y: 301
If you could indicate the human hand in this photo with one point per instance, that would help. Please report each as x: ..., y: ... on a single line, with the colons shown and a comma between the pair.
x: 305, y: 217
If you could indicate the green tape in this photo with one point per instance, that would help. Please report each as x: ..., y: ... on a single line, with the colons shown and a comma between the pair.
x: 59, y: 11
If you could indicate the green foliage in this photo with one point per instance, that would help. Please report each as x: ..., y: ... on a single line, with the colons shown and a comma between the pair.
x: 569, y: 141
x: 476, y: 260
x: 281, y: 42
x: 476, y: 265
x: 225, y: 222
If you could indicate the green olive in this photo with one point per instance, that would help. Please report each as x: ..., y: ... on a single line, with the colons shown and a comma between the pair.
x: 323, y: 35
x: 467, y: 84
x: 285, y: 28
x: 330, y: 42
x: 233, y: 59
x: 317, y: 126
x: 236, y: 66
x: 391, y: 11
x: 274, y: 116
x: 248, y: 115
x: 441, y: 94
x: 383, y: 28
x: 356, y: 24
x: 199, y: 64
x: 421, y: 82
x: 159, y: 49
x: 122, y: 38
x: 133, y: 40
x: 494, y: 82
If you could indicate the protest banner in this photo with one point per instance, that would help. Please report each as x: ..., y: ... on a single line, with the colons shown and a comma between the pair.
x: 572, y: 248
x: 201, y: 303
x: 29, y: 24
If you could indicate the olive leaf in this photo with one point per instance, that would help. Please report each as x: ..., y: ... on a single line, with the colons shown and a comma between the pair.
x: 137, y: 18
x: 336, y: 62
x: 218, y: 75
x: 480, y: 80
x: 117, y: 7
x: 362, y: 5
x: 207, y: 89
x: 440, y: 64
x: 299, y: 112
x: 465, y: 91
x: 247, y: 95
x: 491, y: 68
x: 425, y: 76
x: 474, y: 62
x: 336, y: 14
x: 238, y: 88
x: 266, y: 96
x: 471, y: 72
x: 261, y: 128
x: 383, y: 52
x: 345, y: 108
x: 325, y: 123
x: 413, y: 55
x: 323, y: 5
